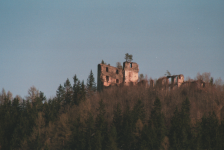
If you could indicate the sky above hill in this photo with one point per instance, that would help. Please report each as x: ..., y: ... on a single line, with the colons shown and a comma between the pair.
x: 44, y: 42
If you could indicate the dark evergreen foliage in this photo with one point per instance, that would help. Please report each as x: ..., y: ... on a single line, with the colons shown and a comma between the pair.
x: 154, y: 133
x: 91, y: 85
x: 67, y: 122
x: 209, y: 132
x: 79, y: 91
x: 180, y: 132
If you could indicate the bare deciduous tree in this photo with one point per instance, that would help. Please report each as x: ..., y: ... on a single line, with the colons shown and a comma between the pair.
x: 32, y: 94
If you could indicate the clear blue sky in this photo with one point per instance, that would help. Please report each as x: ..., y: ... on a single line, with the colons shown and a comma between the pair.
x: 44, y: 42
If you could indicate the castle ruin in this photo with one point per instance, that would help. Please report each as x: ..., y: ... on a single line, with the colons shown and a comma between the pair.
x: 108, y: 75
x: 128, y: 75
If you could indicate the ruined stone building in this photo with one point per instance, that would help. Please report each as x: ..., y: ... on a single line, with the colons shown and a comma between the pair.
x: 176, y: 81
x: 195, y: 84
x: 128, y: 75
x: 108, y: 75
x: 169, y: 82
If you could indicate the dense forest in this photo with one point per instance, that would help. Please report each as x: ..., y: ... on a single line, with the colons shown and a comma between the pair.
x: 118, y: 118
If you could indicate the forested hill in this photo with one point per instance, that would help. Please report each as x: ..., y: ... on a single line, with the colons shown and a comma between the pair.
x: 124, y: 118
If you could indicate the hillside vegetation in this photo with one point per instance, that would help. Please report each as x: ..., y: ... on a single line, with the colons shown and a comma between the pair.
x: 125, y: 118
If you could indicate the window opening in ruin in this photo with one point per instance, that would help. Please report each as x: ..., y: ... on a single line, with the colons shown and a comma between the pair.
x: 131, y: 65
x: 170, y: 80
x: 107, y: 78
x: 179, y: 77
x: 117, y: 72
x: 117, y: 80
x: 106, y: 69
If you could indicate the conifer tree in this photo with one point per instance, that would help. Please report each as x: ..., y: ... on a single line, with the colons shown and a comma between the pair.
x: 68, y: 92
x: 91, y: 85
x: 158, y: 122
x: 76, y: 89
x: 83, y: 92
x: 180, y: 136
x: 128, y: 57
x: 101, y: 127
x: 117, y: 123
x: 154, y: 133
x: 89, y: 132
x: 138, y: 111
x: 112, y: 139
x: 128, y: 139
x: 79, y: 91
x: 221, y: 136
x: 60, y: 93
x: 209, y: 132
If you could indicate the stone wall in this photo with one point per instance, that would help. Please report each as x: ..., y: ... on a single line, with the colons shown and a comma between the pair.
x: 130, y: 73
x: 108, y: 75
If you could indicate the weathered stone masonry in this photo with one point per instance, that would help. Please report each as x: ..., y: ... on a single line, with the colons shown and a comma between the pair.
x: 128, y: 75
x: 108, y: 75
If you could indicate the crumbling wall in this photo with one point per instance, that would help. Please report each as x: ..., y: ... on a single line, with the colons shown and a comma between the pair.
x: 180, y: 80
x: 195, y: 84
x: 108, y: 75
x: 130, y: 73
x: 176, y: 80
x: 151, y: 83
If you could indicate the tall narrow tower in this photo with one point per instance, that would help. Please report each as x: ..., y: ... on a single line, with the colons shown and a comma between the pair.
x: 130, y: 71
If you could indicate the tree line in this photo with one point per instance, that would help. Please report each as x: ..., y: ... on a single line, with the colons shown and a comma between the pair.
x: 118, y: 118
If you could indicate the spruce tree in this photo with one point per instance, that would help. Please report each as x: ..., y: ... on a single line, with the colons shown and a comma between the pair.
x: 112, y: 139
x: 91, y: 85
x: 101, y: 127
x: 158, y: 123
x: 79, y: 91
x: 117, y: 123
x: 90, y: 125
x: 220, y: 145
x: 68, y: 92
x: 60, y: 93
x: 128, y: 138
x: 180, y: 136
x: 209, y: 132
x: 153, y: 134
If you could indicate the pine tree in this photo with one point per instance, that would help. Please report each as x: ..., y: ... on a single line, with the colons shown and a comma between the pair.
x: 83, y: 92
x: 68, y: 92
x: 101, y: 127
x: 221, y: 136
x: 153, y: 134
x: 209, y: 132
x: 79, y: 91
x: 112, y: 139
x: 180, y: 136
x: 60, y: 93
x: 128, y: 138
x: 138, y: 111
x: 117, y: 123
x: 91, y: 85
x: 89, y: 132
x: 128, y: 57
x: 158, y: 122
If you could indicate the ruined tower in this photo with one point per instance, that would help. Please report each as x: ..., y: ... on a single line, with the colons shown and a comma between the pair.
x: 130, y: 70
x: 108, y: 75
